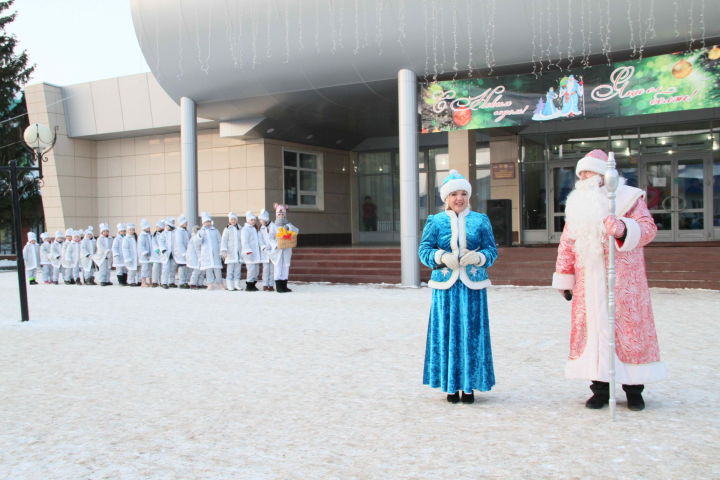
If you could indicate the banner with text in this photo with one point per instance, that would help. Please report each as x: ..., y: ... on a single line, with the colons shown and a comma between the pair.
x: 664, y: 83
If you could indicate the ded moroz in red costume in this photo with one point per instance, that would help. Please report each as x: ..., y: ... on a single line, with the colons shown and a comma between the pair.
x: 582, y: 267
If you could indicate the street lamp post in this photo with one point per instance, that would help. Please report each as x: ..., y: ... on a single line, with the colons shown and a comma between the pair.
x: 39, y: 139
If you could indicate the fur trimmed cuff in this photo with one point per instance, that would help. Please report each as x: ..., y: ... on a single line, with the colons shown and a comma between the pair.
x: 438, y: 256
x: 632, y: 235
x: 563, y: 281
x: 483, y: 259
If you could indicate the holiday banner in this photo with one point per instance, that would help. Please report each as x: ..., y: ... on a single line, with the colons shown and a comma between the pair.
x: 664, y: 83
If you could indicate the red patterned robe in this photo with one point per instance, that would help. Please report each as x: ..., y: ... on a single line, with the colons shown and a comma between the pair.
x: 637, y: 352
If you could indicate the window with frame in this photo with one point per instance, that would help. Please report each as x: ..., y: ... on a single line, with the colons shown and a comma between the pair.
x: 302, y: 179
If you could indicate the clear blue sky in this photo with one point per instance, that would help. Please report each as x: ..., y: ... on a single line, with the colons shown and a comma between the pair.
x: 74, y: 41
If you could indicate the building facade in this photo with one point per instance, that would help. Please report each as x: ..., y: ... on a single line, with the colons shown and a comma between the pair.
x: 308, y: 116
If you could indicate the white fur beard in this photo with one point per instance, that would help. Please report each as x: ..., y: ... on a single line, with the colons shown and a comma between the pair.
x: 585, y: 209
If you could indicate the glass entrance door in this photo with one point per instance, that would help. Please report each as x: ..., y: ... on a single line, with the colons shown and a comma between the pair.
x: 562, y: 182
x: 677, y: 196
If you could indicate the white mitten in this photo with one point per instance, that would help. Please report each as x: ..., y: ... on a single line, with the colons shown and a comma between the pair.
x: 450, y: 261
x: 470, y: 258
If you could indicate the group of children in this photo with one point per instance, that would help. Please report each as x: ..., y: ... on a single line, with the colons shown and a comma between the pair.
x: 170, y: 256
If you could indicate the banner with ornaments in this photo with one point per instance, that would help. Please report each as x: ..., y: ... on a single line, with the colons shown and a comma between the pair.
x: 663, y: 83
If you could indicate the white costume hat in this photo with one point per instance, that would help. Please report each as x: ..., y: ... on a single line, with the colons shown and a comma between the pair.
x: 205, y: 217
x: 120, y: 227
x: 89, y: 232
x: 250, y: 215
x: 595, y: 161
x: 90, y: 227
x: 264, y: 215
x: 69, y: 232
x: 160, y: 223
x: 181, y: 220
x: 131, y: 225
x: 144, y: 224
x: 104, y: 227
x: 59, y: 234
x: 170, y: 221
x: 44, y: 235
x: 32, y: 236
x: 231, y: 215
x: 77, y: 233
x: 454, y: 182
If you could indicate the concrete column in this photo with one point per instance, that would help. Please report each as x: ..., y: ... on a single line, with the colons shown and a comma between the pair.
x: 408, y: 133
x: 188, y: 153
x: 461, y: 150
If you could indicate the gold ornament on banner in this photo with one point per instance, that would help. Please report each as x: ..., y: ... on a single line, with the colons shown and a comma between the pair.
x: 714, y: 53
x: 682, y: 69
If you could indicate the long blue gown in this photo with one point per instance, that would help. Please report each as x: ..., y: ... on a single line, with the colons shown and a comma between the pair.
x: 458, y: 355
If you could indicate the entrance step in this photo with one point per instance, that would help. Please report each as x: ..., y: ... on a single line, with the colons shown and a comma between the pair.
x: 667, y: 265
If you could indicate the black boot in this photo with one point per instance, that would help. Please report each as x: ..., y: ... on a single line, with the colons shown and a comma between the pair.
x: 601, y: 395
x: 250, y: 287
x: 468, y: 397
x: 452, y: 397
x: 279, y: 286
x: 122, y: 280
x: 635, y: 400
x: 285, y: 287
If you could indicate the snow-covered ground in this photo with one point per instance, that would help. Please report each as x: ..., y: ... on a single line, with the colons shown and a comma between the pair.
x: 325, y: 382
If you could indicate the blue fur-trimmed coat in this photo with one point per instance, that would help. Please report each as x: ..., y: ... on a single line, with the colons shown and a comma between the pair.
x: 448, y: 232
x: 458, y: 354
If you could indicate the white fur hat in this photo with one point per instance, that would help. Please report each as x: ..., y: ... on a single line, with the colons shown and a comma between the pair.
x: 90, y: 227
x: 89, y: 232
x: 44, y: 235
x: 454, y: 182
x: 249, y: 215
x: 69, y: 232
x: 59, y: 234
x: 144, y: 224
x: 103, y: 227
x: 170, y: 221
x: 264, y: 215
x: 205, y: 217
x: 120, y: 227
x: 594, y: 161
x: 31, y: 236
x: 182, y: 220
x: 131, y: 225
x: 77, y: 233
x: 160, y: 223
x: 232, y: 215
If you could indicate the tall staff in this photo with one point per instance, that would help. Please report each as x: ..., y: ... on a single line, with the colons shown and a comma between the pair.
x: 611, y: 183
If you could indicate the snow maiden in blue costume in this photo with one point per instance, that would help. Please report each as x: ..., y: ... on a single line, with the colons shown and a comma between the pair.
x: 459, y: 246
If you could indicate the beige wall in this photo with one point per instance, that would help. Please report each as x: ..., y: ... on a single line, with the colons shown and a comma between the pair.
x: 69, y: 187
x: 335, y: 215
x: 123, y: 180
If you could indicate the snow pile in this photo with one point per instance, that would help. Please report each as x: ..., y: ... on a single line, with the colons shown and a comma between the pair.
x: 8, y: 263
x: 325, y: 382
